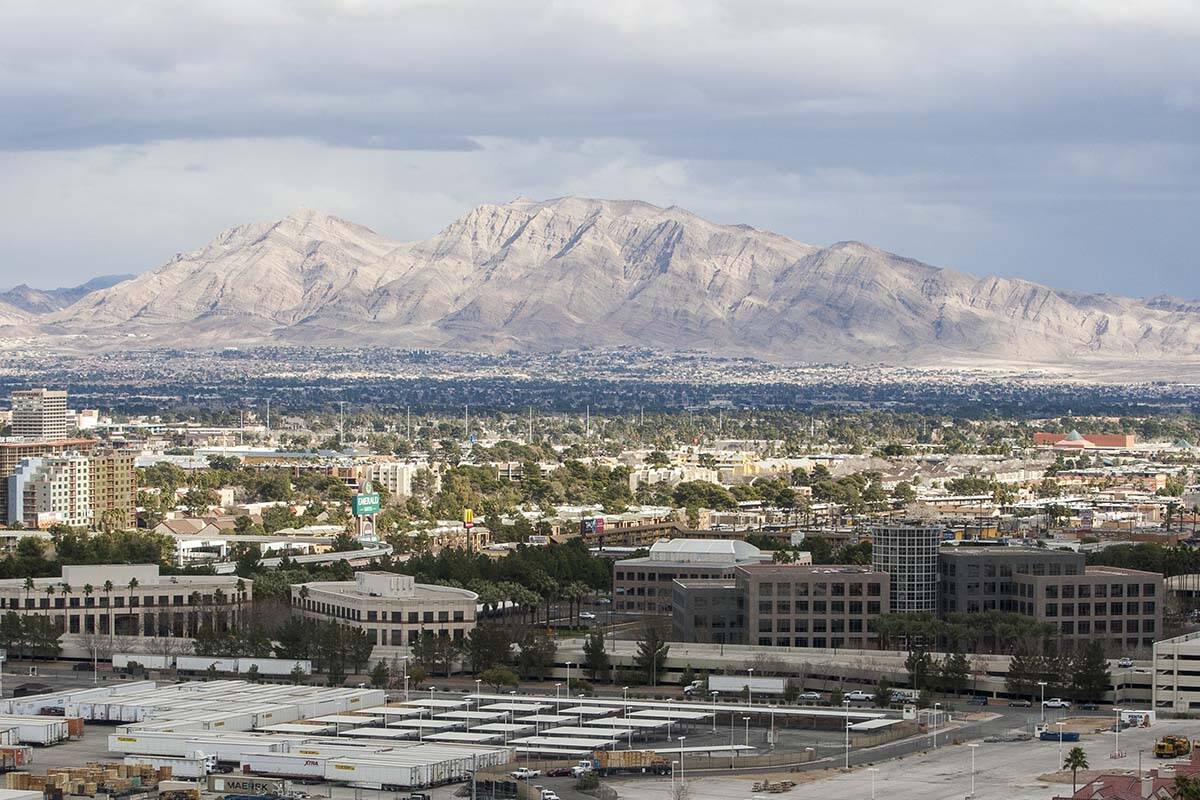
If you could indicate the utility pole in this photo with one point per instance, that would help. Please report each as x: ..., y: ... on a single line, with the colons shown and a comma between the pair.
x: 408, y: 422
x: 268, y: 418
x: 529, y: 427
x: 587, y: 423
x: 341, y: 422
x: 466, y: 422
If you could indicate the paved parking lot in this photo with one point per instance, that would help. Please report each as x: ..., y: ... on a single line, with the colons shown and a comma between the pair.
x: 1005, y: 771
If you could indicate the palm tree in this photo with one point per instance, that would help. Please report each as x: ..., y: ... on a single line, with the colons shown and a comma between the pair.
x: 194, y: 612
x: 1076, y: 760
x: 65, y: 590
x: 88, y: 590
x: 28, y: 590
x: 108, y: 588
x: 49, y: 594
x: 133, y: 584
x: 240, y: 586
x: 219, y: 599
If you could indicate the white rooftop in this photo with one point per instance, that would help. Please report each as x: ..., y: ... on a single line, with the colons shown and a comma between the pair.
x: 711, y: 551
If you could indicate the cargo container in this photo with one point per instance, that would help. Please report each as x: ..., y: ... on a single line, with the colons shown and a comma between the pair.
x: 38, y: 729
x: 273, y: 666
x: 196, y: 766
x: 147, y: 660
x: 736, y: 684
x: 15, y: 757
x: 202, y: 663
x: 176, y: 745
x: 607, y: 762
x: 284, y: 765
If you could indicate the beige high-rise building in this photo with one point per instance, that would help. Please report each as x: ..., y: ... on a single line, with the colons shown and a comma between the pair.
x: 114, y: 490
x: 39, y: 414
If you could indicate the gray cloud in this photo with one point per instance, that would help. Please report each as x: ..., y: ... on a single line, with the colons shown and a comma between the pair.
x: 1053, y: 140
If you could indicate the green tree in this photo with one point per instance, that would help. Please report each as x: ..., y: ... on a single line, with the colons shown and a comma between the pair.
x: 336, y: 674
x: 498, y: 677
x: 1090, y: 673
x: 651, y: 656
x: 920, y: 668
x: 298, y: 675
x: 955, y: 673
x: 595, y: 657
x: 536, y: 658
x: 1076, y: 760
x: 837, y: 696
x: 360, y: 647
x: 488, y: 645
x: 380, y: 674
x: 883, y: 692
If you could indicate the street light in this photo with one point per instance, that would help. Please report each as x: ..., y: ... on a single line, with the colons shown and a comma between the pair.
x: 1043, y: 685
x: 569, y: 663
x: 750, y: 688
x: 1060, y: 735
x: 973, y: 746
x: 936, y: 713
x: 1117, y: 734
x: 404, y: 662
x: 772, y: 728
x: 681, y: 738
x: 847, y: 743
x: 557, y: 708
x: 714, y: 700
x: 747, y: 721
x: 477, y: 683
x: 873, y: 770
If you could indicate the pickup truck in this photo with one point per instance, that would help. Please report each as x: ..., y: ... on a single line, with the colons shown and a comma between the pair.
x: 525, y: 774
x: 859, y: 696
x: 693, y: 687
x: 1056, y: 702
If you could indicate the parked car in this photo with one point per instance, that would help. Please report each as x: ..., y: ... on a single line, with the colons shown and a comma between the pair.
x: 810, y: 696
x: 859, y: 696
x: 525, y: 774
x: 586, y: 615
x: 1125, y: 663
x: 81, y: 666
x: 549, y: 794
x: 558, y: 772
x: 1056, y: 702
x: 977, y: 700
x: 1089, y: 707
x: 1020, y: 703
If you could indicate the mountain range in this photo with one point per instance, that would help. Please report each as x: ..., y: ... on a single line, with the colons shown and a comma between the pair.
x: 575, y: 272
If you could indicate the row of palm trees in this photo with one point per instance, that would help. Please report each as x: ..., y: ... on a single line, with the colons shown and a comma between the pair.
x: 542, y: 591
x: 195, y: 599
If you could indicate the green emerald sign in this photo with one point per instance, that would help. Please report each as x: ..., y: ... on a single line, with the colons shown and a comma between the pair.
x: 364, y: 505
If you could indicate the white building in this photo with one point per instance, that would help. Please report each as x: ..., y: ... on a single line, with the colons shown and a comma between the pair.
x: 51, y: 489
x: 39, y: 414
x: 395, y: 476
x: 1176, y: 674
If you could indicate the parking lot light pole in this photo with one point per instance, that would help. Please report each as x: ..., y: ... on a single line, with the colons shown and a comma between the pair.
x: 750, y: 688
x: 1043, y: 685
x: 936, y: 713
x: 714, y: 700
x: 681, y: 738
x: 847, y: 743
x: 972, y: 746
x: 1060, y: 740
x: 1117, y: 734
x: 873, y: 770
x: 557, y: 706
x: 747, y: 721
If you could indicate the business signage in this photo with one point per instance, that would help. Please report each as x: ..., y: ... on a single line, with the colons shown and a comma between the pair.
x: 364, y: 505
x: 468, y: 518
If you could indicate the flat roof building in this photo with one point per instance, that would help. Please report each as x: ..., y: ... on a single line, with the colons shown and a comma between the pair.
x: 644, y: 585
x: 39, y: 414
x: 393, y: 609
x: 801, y: 605
x: 156, y: 606
x: 707, y: 610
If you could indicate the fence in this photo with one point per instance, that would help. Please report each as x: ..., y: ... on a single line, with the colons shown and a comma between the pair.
x: 780, y: 759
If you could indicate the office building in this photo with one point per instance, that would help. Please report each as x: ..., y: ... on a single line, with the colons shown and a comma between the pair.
x: 1121, y: 608
x: 908, y: 552
x: 644, y: 585
x: 975, y: 579
x: 393, y: 609
x: 171, y: 606
x: 707, y: 610
x: 39, y: 414
x: 397, y: 476
x: 796, y: 605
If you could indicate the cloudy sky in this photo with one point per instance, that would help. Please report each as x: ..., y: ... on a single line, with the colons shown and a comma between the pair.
x: 1055, y: 140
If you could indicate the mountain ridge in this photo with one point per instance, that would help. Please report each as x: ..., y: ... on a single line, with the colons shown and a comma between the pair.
x: 571, y: 271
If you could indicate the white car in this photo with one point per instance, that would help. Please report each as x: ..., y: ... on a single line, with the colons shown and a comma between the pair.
x: 1125, y: 663
x: 586, y: 615
x: 525, y: 774
x: 809, y: 696
x: 858, y: 695
x: 1056, y: 702
x: 549, y: 794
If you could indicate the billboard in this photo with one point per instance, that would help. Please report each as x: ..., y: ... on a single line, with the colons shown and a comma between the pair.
x: 593, y: 526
